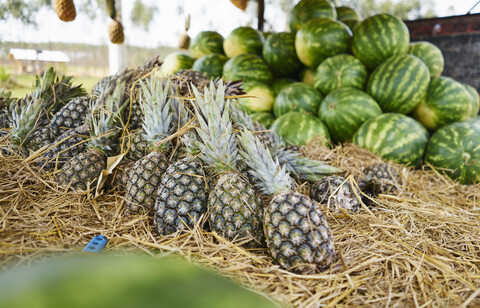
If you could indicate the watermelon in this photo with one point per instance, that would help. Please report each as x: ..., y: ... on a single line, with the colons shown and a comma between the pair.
x: 399, y: 83
x: 474, y: 99
x: 300, y: 128
x: 340, y: 71
x: 456, y: 147
x: 430, y: 54
x: 248, y: 67
x: 206, y: 42
x: 211, y: 64
x: 307, y: 75
x: 243, y: 40
x: 378, y: 38
x: 279, y: 52
x: 279, y: 84
x: 264, y: 118
x: 321, y: 38
x: 446, y: 101
x: 345, y: 110
x: 299, y: 97
x: 306, y: 10
x: 174, y: 62
x: 262, y: 97
x: 393, y: 136
x: 346, y: 13
x: 351, y: 23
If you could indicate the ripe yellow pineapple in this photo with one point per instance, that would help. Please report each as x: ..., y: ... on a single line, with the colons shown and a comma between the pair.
x: 65, y: 9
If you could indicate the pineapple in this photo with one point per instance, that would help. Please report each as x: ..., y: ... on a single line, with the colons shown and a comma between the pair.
x: 296, y: 232
x: 118, y: 180
x: 65, y: 9
x: 182, y: 193
x: 184, y: 79
x: 5, y: 101
x: 337, y: 193
x: 144, y: 177
x: 72, y: 115
x: 235, y: 208
x: 115, y: 32
x: 379, y: 178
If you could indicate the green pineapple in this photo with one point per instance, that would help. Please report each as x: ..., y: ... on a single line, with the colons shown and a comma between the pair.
x: 234, y: 206
x: 5, y: 101
x: 297, y: 234
x: 144, y: 177
x: 337, y: 193
x: 25, y: 115
x: 72, y: 115
x: 182, y: 193
x: 184, y: 79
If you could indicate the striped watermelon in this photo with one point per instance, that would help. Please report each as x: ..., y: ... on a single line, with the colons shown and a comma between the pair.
x: 430, y: 54
x: 340, y: 71
x: 243, y: 40
x: 248, y: 67
x: 264, y: 118
x: 279, y: 52
x: 378, y: 38
x: 279, y: 84
x: 262, y: 97
x: 310, y: 9
x: 321, y: 38
x: 174, y: 62
x: 474, y: 99
x: 299, y: 97
x: 345, y: 110
x: 446, y: 101
x: 351, y: 23
x: 206, y: 42
x: 307, y: 75
x: 393, y: 136
x: 211, y: 64
x: 457, y: 147
x: 300, y: 128
x: 399, y: 83
x: 347, y: 13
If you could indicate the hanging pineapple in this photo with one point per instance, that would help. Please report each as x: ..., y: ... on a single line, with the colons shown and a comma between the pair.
x: 65, y: 9
x: 115, y: 32
x: 184, y: 41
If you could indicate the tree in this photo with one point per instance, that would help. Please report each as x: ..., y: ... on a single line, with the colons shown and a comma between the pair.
x: 142, y: 15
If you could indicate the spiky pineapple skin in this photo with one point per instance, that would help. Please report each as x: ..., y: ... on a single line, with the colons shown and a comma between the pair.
x: 72, y: 115
x: 181, y: 197
x: 139, y: 146
x: 384, y: 175
x: 236, y: 210
x: 118, y: 179
x: 82, y: 170
x: 41, y: 137
x: 336, y: 193
x: 115, y: 32
x: 297, y: 234
x: 65, y: 9
x: 143, y: 181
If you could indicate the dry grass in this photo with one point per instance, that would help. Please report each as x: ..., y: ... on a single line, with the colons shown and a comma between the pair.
x: 419, y: 248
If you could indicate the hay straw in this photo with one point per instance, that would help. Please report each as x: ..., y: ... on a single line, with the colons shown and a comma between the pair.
x: 418, y: 248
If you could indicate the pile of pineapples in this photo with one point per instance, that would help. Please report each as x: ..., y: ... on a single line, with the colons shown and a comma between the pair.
x: 191, y: 159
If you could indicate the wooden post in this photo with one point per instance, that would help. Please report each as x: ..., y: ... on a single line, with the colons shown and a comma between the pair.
x: 261, y: 11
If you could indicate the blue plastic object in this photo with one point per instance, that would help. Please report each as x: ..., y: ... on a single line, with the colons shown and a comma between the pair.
x: 96, y: 244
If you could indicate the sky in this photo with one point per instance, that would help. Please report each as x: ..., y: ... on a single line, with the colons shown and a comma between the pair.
x: 213, y: 15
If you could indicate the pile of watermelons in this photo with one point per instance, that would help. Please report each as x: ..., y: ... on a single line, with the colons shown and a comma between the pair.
x: 348, y: 80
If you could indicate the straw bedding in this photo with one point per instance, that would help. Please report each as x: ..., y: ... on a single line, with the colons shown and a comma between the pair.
x: 418, y: 248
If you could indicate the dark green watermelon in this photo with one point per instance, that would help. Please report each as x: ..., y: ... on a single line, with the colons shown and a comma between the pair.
x: 345, y: 110
x: 321, y: 38
x: 399, y: 83
x: 279, y: 52
x: 174, y: 62
x: 475, y: 99
x: 306, y: 10
x: 393, y: 136
x: 299, y: 97
x: 211, y: 64
x: 264, y: 118
x: 249, y: 67
x: 347, y: 13
x: 279, y: 84
x: 430, y: 54
x: 378, y: 38
x: 300, y: 128
x: 261, y: 97
x: 446, y: 101
x: 243, y: 40
x: 455, y: 148
x: 340, y: 71
x: 206, y: 42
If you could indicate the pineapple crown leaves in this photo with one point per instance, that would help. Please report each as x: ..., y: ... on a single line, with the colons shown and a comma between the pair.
x: 155, y: 103
x: 303, y: 167
x: 241, y: 117
x: 218, y: 144
x: 273, y: 178
x: 180, y: 114
x: 102, y: 128
x: 24, y: 119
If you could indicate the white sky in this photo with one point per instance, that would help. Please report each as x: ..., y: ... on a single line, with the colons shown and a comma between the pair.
x: 216, y: 15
